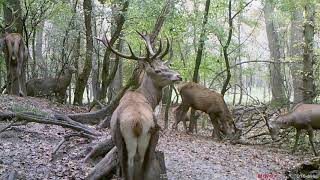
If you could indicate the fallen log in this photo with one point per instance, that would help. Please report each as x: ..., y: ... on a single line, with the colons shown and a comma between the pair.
x: 31, y: 117
x: 100, y: 149
x: 106, y: 167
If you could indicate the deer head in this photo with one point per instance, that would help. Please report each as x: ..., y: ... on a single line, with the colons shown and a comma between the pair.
x: 157, y: 69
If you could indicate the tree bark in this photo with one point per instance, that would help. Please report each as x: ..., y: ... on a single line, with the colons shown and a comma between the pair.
x: 308, y: 61
x: 84, y: 76
x: 296, y: 52
x: 168, y: 104
x: 38, y: 47
x: 195, y: 77
x: 277, y: 87
x: 106, y: 80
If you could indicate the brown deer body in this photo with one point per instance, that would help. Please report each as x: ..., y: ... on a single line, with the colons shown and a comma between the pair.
x: 133, y: 122
x: 201, y: 98
x: 302, y: 117
x: 48, y: 86
x: 16, y: 57
x: 186, y: 118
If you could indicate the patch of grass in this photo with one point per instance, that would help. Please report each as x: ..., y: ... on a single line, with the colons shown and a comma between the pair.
x: 28, y: 108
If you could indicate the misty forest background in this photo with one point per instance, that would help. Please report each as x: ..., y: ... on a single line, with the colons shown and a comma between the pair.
x: 261, y: 55
x: 256, y: 54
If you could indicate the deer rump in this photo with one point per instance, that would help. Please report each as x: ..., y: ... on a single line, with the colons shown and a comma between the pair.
x: 16, y: 53
x: 134, y: 119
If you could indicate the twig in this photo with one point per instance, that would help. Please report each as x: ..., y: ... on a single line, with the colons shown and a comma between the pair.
x: 258, y: 135
x: 8, y: 126
x: 67, y: 138
x: 257, y: 122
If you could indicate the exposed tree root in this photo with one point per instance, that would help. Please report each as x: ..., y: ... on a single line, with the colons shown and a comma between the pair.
x: 30, y: 117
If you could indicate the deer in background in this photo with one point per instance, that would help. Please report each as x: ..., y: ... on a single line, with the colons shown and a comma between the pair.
x: 48, y: 86
x: 302, y: 117
x: 12, y: 45
x: 200, y: 98
x: 187, y: 117
x: 133, y: 122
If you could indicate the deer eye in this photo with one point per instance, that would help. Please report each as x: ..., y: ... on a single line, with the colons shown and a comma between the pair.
x: 157, y: 71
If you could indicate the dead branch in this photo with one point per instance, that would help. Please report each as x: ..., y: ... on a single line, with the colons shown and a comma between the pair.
x: 6, y: 116
x: 105, y: 167
x: 100, y: 149
x: 9, y: 125
x: 31, y: 117
x: 258, y: 135
x: 67, y: 138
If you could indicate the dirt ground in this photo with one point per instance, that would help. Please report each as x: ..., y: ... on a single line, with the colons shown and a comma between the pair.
x: 28, y: 150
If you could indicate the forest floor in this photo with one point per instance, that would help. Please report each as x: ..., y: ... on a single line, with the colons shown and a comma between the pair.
x: 28, y: 150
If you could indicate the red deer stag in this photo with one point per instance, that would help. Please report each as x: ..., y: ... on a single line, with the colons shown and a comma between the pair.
x: 303, y: 116
x: 16, y: 54
x: 201, y: 98
x: 133, y: 122
x: 48, y: 86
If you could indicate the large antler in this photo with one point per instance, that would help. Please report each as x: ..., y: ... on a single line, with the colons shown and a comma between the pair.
x: 5, y: 27
x: 132, y: 56
x: 150, y: 55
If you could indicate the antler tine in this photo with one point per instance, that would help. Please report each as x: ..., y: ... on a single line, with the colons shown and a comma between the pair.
x: 158, y: 52
x: 13, y: 20
x: 132, y: 56
x: 147, y: 39
x: 167, y: 49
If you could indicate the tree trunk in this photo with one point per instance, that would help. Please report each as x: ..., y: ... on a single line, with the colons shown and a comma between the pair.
x: 308, y: 61
x: 95, y: 62
x: 168, y: 103
x: 106, y: 80
x: 84, y: 76
x: 239, y: 60
x: 117, y: 71
x: 296, y: 53
x: 38, y: 47
x: 277, y: 87
x: 195, y: 77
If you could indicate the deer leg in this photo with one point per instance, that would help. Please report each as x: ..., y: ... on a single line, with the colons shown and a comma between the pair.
x: 118, y: 139
x: 183, y: 116
x: 177, y: 118
x: 19, y: 74
x: 297, y: 140
x: 216, y: 131
x: 310, y: 133
x: 151, y: 165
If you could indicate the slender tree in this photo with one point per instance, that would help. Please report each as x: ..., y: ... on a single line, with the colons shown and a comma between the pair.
x: 277, y: 87
x: 84, y: 75
x: 308, y: 55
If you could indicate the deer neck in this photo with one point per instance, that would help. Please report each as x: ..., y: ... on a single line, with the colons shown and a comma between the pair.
x: 152, y: 92
x: 286, y: 120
